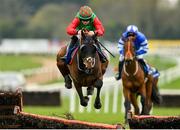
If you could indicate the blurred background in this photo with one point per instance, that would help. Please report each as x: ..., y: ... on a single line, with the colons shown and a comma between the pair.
x: 32, y: 32
x: 158, y: 19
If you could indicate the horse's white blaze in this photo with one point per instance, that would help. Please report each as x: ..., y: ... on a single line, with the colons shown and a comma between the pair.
x: 89, y: 62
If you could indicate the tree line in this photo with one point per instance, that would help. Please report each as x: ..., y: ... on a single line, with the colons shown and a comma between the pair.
x: 49, y: 19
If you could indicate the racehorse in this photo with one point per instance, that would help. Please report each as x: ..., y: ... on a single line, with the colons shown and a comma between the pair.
x: 86, y: 69
x: 136, y: 82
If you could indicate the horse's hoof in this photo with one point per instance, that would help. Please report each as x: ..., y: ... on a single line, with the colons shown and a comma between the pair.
x: 90, y: 91
x: 84, y: 103
x: 68, y: 86
x: 86, y: 98
x: 97, y: 105
x: 68, y: 82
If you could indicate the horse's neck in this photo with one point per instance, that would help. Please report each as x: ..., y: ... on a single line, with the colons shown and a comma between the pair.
x: 131, y: 69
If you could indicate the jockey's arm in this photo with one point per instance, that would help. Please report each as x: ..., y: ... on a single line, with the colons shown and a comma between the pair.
x: 99, y: 27
x: 121, y: 46
x: 71, y: 29
x: 143, y: 48
x: 121, y: 49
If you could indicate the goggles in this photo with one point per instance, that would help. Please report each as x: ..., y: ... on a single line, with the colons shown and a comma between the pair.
x: 131, y: 34
x: 85, y: 20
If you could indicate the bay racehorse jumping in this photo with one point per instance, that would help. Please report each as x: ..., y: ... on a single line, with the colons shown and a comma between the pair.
x: 136, y: 83
x: 86, y: 69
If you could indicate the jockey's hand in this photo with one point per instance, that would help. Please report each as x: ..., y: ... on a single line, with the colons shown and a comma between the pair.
x: 85, y: 31
x: 91, y: 33
x: 79, y: 32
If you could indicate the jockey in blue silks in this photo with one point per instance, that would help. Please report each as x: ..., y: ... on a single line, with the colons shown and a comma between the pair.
x: 141, y: 47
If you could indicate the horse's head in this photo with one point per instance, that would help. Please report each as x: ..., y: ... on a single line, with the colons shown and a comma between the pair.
x: 88, y: 51
x: 129, y: 49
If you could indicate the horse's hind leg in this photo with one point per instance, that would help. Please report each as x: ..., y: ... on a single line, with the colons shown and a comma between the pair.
x: 149, y: 85
x: 83, y: 100
x: 133, y: 97
x: 90, y: 90
x: 98, y: 84
x: 144, y: 101
x: 156, y: 97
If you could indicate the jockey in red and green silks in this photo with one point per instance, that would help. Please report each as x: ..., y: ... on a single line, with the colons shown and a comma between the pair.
x: 89, y: 26
x: 85, y: 18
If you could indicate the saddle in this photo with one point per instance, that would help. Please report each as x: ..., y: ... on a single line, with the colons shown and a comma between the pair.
x: 73, y: 53
x: 153, y: 71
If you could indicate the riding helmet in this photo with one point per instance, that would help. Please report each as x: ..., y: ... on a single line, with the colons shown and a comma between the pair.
x: 132, y: 29
x: 85, y: 13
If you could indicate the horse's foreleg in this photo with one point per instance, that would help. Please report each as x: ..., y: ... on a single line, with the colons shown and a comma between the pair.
x: 65, y: 73
x: 127, y: 102
x: 98, y: 84
x: 63, y: 69
x: 83, y: 100
x: 135, y: 103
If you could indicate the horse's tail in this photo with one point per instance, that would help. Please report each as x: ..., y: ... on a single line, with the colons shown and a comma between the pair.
x: 156, y: 97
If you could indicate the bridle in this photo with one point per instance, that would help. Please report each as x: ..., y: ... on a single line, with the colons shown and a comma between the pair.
x: 129, y: 57
x: 88, y: 63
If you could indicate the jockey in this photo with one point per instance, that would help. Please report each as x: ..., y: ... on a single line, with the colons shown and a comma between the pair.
x: 141, y: 46
x: 85, y: 19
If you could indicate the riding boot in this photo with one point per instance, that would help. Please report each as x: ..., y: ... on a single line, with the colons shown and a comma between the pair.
x: 144, y: 65
x: 70, y: 49
x: 155, y: 73
x: 101, y: 54
x: 120, y: 66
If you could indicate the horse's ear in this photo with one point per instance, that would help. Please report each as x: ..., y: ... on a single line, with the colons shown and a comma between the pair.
x: 82, y: 34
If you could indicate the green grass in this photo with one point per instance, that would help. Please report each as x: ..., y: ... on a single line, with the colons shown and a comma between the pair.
x: 166, y: 111
x: 160, y: 63
x: 18, y: 62
x: 60, y: 111
x: 60, y: 80
x: 156, y: 61
x: 101, y: 117
x: 174, y: 84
